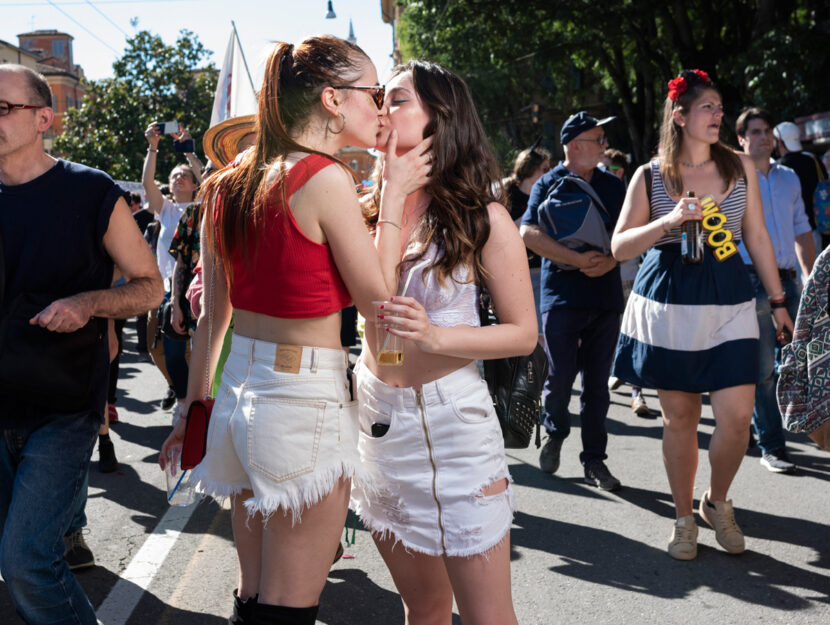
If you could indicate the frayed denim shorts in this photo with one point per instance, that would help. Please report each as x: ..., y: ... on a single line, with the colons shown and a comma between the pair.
x: 428, y: 471
x: 288, y: 437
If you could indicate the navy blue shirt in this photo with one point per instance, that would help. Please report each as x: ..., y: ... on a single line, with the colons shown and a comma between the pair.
x: 573, y: 289
x: 53, y: 231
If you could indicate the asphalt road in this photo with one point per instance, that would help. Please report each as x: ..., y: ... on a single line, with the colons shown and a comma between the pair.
x: 579, y: 555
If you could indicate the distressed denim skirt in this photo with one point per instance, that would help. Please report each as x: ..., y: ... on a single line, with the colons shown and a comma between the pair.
x: 288, y: 437
x: 428, y: 470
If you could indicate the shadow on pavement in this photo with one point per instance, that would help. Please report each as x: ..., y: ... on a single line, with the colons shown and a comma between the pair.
x: 630, y: 565
x: 351, y: 597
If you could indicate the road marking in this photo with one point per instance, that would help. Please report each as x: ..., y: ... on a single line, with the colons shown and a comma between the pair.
x: 194, y: 570
x: 136, y: 578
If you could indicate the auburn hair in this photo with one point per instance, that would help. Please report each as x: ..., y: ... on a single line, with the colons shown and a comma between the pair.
x: 465, y: 175
x: 294, y: 79
x: 671, y: 136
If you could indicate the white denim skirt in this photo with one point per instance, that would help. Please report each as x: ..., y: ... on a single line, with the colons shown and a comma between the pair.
x: 427, y: 472
x: 288, y: 437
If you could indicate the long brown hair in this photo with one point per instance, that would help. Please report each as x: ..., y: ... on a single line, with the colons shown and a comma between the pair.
x: 294, y: 79
x: 671, y: 135
x: 465, y: 174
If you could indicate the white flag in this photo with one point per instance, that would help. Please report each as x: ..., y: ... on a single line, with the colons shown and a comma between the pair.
x: 234, y: 94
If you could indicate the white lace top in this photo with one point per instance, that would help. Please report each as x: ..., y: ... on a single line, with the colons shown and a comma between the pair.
x: 454, y: 304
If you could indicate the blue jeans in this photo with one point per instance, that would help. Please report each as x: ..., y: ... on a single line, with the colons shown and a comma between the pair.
x: 176, y: 363
x: 175, y: 360
x: 42, y: 470
x: 579, y: 340
x: 766, y: 416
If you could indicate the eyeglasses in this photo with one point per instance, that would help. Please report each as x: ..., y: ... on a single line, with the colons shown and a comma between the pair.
x: 377, y: 92
x: 599, y: 140
x: 6, y: 107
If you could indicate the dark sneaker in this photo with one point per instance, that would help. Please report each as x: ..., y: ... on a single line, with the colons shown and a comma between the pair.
x: 597, y: 474
x: 169, y: 400
x: 778, y: 461
x: 753, y: 442
x: 76, y: 553
x: 107, y: 462
x: 549, y: 456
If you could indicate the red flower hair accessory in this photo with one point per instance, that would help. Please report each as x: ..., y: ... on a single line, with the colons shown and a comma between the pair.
x: 677, y: 86
x: 704, y: 77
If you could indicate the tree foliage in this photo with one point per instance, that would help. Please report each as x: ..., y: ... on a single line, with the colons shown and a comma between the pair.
x: 616, y: 57
x: 151, y: 82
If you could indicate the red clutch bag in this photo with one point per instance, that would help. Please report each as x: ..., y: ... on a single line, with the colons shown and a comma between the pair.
x: 195, y: 433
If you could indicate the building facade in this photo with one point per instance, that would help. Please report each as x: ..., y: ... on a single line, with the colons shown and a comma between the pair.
x: 53, y: 51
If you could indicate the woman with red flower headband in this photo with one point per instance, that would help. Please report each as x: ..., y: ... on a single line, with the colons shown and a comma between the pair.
x: 692, y: 329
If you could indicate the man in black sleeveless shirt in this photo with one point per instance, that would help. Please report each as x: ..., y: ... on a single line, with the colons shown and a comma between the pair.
x: 62, y: 227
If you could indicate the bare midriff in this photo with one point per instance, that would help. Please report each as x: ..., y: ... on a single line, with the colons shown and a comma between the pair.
x: 310, y: 332
x: 418, y: 367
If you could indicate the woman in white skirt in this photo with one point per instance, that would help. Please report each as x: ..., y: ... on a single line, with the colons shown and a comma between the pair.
x: 692, y: 328
x: 441, y: 505
x: 285, y: 246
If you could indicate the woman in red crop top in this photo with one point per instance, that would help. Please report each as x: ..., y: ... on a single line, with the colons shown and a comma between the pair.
x: 429, y: 437
x: 285, y: 246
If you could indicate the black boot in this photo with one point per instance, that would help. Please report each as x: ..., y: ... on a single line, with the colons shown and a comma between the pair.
x: 281, y: 615
x: 243, y: 611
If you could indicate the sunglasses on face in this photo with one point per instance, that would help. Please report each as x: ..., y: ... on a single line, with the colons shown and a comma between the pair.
x: 377, y: 92
x: 7, y: 107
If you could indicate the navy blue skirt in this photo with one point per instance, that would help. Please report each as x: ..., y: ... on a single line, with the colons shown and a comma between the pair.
x: 689, y: 328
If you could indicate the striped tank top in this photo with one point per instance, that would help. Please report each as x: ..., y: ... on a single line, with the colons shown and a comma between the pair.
x: 661, y: 204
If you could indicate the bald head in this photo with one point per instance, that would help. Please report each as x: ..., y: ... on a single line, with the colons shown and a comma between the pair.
x: 39, y: 92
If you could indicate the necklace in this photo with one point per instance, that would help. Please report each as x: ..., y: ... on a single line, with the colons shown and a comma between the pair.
x: 698, y: 166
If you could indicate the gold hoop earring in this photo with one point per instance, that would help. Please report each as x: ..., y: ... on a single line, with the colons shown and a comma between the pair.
x: 337, y: 132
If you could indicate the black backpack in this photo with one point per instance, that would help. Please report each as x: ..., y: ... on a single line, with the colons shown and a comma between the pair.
x: 515, y: 386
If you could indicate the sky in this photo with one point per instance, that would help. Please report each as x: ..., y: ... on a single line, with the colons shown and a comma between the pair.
x: 100, y: 27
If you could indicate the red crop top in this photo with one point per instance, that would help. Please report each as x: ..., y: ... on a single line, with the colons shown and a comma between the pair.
x: 290, y: 276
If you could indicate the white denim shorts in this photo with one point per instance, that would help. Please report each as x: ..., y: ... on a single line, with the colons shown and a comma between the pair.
x: 288, y: 437
x: 427, y: 472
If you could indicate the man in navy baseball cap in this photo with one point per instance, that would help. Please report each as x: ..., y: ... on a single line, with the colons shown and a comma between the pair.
x: 580, y: 307
x: 579, y: 123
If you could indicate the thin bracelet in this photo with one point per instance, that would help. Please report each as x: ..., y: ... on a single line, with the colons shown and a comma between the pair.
x: 152, y: 149
x: 390, y: 222
x: 780, y: 297
x: 663, y: 226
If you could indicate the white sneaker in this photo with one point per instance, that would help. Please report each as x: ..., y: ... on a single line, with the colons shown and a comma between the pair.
x: 614, y: 383
x: 683, y: 544
x: 721, y: 517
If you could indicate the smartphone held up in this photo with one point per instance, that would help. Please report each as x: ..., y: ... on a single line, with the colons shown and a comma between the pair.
x: 168, y: 128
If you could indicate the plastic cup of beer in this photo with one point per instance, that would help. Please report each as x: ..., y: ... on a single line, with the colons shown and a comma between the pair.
x: 390, y: 346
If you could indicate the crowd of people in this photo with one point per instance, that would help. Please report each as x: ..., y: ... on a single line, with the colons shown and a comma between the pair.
x: 245, y: 266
